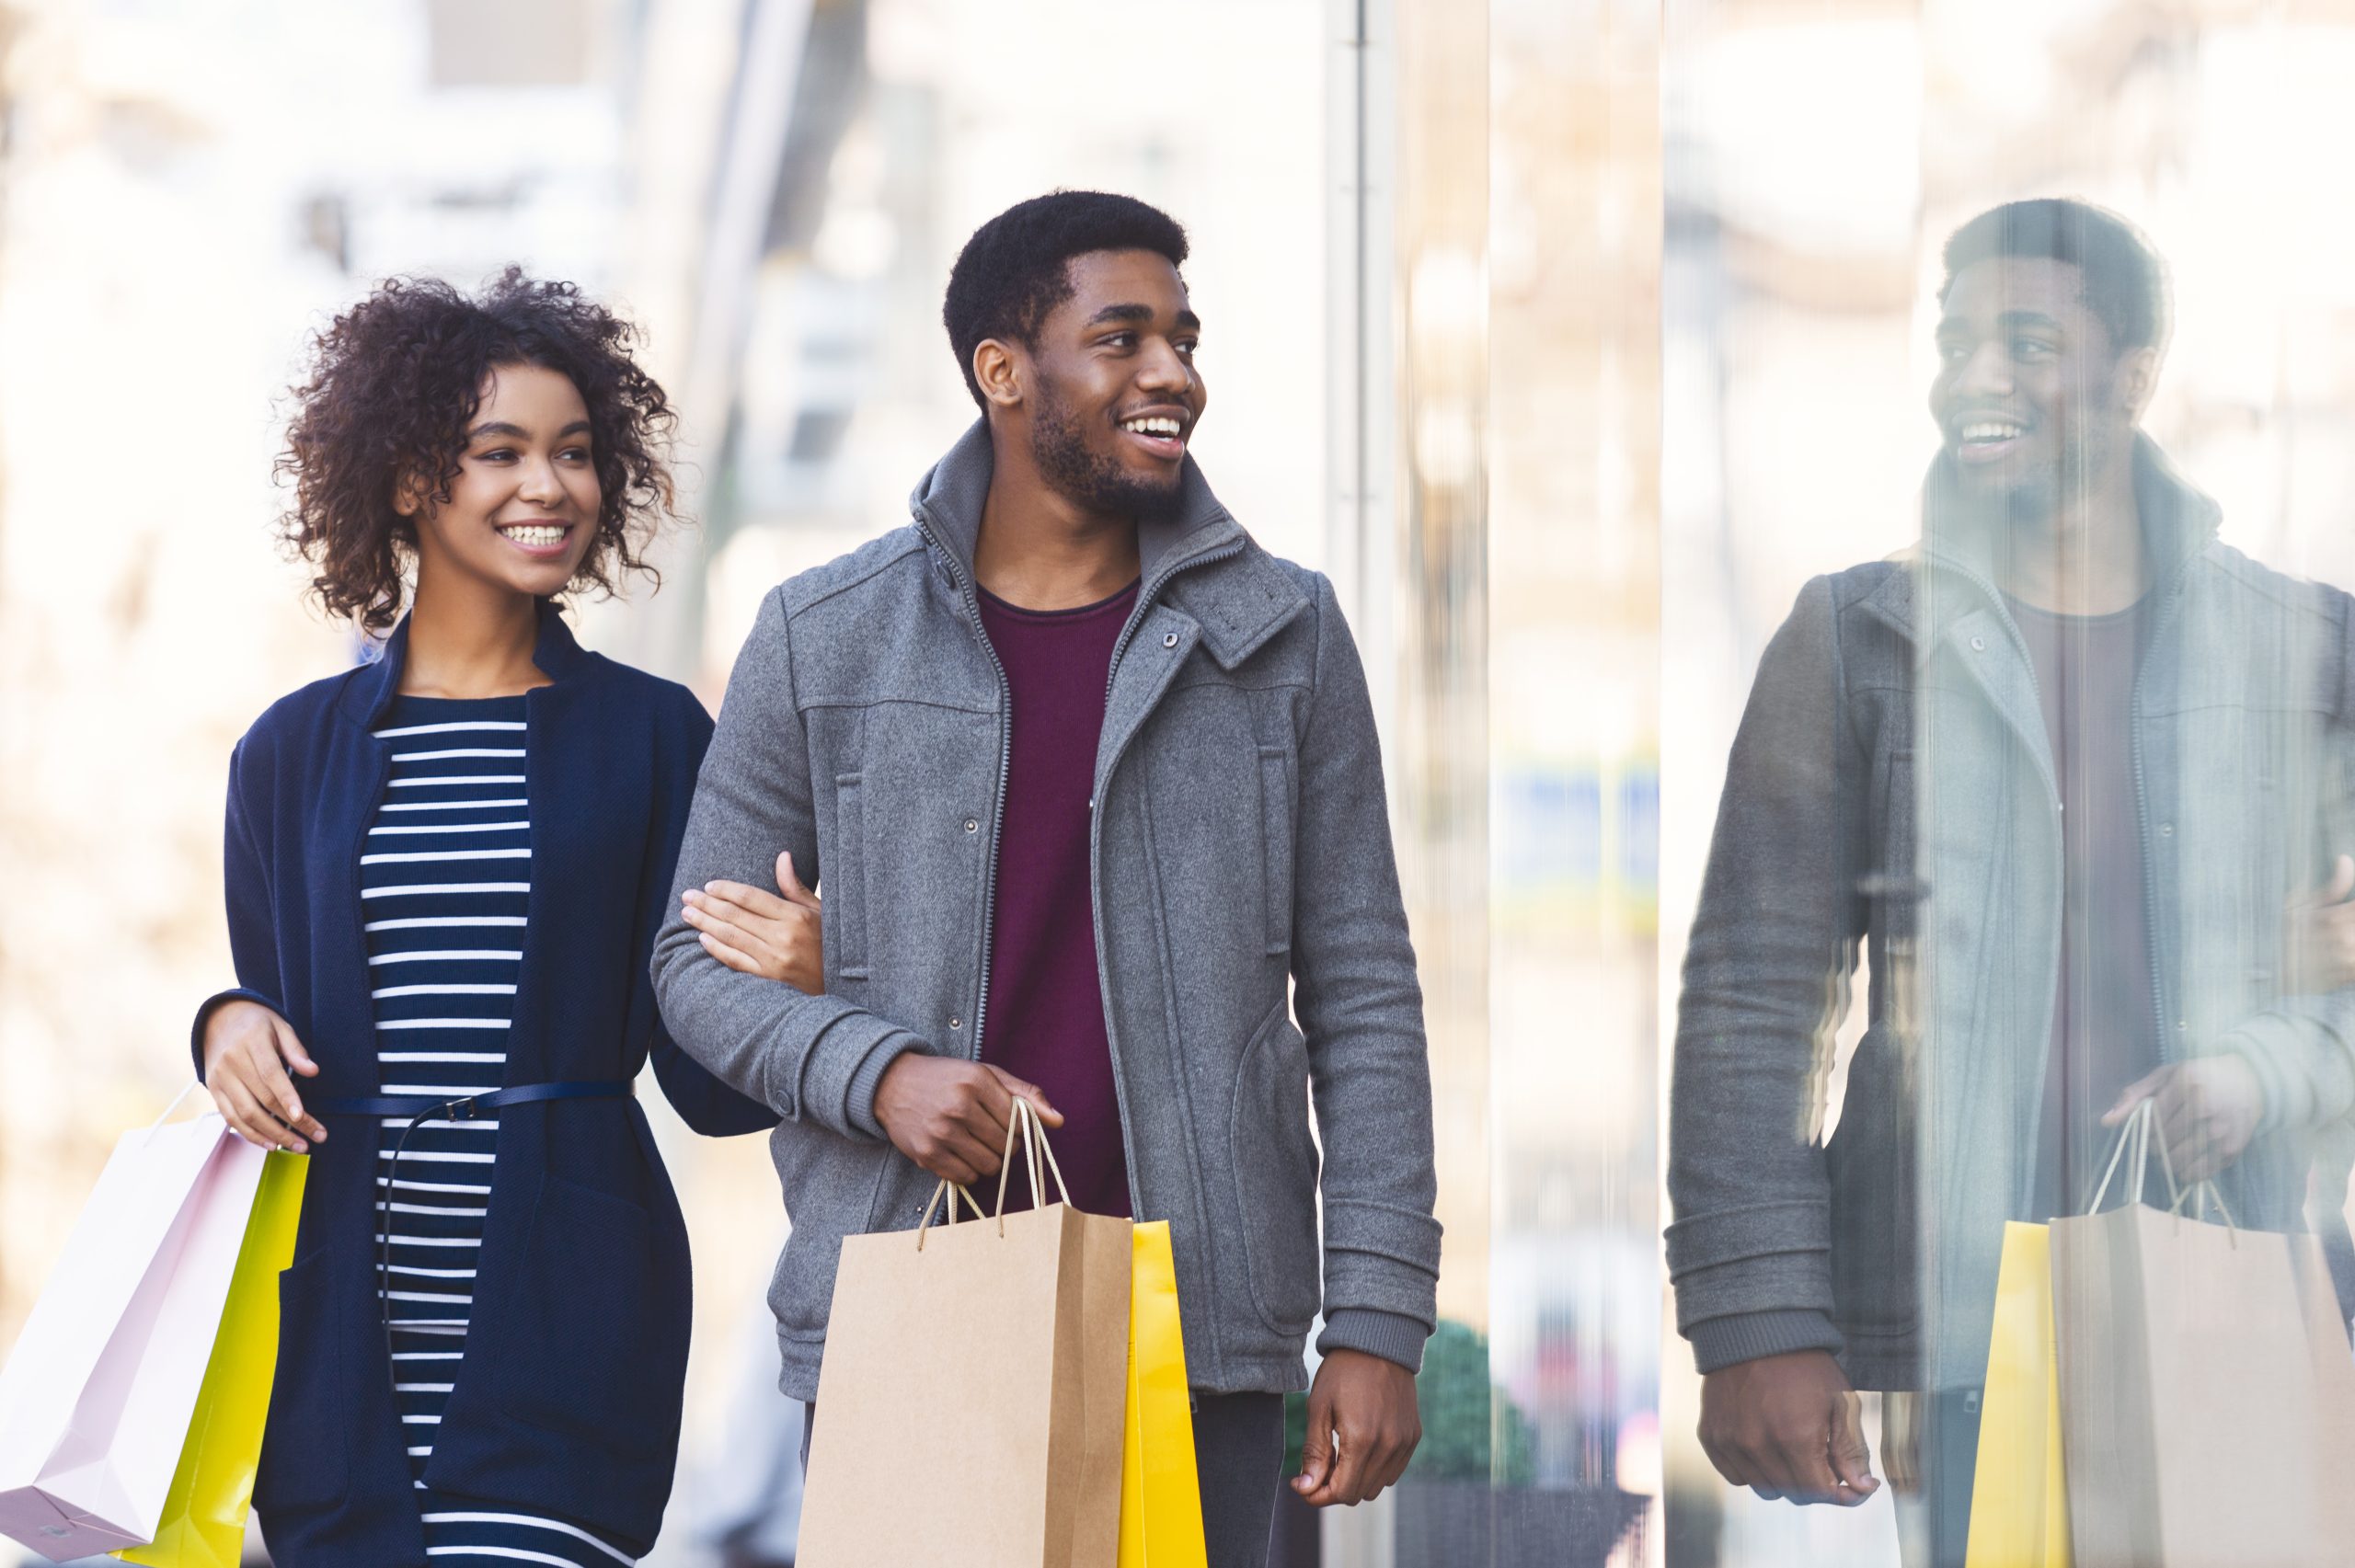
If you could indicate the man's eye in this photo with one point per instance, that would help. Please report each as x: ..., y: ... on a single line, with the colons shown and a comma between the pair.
x: 1120, y: 340
x: 2032, y: 349
x: 1953, y: 353
x: 1188, y: 349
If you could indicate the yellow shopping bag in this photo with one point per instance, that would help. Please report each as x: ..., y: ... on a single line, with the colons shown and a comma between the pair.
x: 1161, y: 1497
x: 203, y: 1522
x: 2019, y: 1499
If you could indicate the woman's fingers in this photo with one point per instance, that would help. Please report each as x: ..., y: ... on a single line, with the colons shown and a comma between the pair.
x: 788, y: 882
x: 276, y: 1090
x: 744, y: 937
x: 741, y: 962
x: 743, y: 895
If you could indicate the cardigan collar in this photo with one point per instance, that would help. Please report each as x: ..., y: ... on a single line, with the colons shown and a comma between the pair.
x: 373, y: 685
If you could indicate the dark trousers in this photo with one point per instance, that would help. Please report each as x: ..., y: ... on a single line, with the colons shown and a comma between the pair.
x: 1239, y: 1460
x: 1949, y: 1463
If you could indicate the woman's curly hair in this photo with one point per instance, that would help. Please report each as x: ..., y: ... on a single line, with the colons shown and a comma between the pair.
x: 395, y: 383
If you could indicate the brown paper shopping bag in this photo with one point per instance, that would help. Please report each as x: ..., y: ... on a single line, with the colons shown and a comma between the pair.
x: 2207, y: 1391
x: 970, y: 1405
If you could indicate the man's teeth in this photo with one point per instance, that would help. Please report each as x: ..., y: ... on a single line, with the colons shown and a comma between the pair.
x: 535, y: 534
x: 1989, y: 431
x: 1157, y: 425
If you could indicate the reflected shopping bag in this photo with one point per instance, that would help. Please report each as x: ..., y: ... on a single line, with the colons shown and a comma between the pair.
x: 1161, y: 1497
x: 969, y: 1404
x: 2019, y: 1508
x: 203, y: 1523
x: 2207, y: 1392
x: 96, y: 1395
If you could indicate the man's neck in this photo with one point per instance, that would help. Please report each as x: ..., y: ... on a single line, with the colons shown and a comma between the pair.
x: 1039, y: 550
x: 2088, y: 558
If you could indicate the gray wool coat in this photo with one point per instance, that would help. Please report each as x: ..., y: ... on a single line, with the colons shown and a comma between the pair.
x: 1890, y: 794
x: 1252, y: 943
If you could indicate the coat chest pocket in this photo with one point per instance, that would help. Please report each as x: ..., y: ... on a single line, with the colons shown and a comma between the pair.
x: 844, y: 877
x: 1275, y: 836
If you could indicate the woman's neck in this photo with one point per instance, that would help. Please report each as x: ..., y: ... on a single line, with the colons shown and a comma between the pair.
x: 471, y: 644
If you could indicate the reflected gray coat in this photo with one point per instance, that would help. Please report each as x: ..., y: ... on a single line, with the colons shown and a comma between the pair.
x: 1241, y: 849
x: 1891, y: 786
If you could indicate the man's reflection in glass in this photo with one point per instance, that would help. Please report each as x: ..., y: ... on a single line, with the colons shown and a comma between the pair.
x: 2062, y: 773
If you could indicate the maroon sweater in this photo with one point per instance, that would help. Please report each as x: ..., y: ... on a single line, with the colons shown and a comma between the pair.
x: 1046, y: 1010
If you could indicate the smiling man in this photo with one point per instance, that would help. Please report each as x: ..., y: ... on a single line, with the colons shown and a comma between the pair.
x: 1093, y: 786
x: 2058, y: 774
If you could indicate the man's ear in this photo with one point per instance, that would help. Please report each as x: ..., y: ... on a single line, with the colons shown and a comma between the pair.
x: 2138, y: 380
x: 1002, y: 369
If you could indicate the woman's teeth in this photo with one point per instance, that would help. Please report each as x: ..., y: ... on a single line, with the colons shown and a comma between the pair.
x: 536, y: 535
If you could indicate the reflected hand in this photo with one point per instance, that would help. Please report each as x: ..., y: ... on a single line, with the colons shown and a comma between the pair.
x: 2319, y: 931
x: 950, y: 1116
x: 249, y: 1050
x: 755, y: 931
x: 1363, y: 1425
x: 2206, y: 1110
x: 1788, y: 1426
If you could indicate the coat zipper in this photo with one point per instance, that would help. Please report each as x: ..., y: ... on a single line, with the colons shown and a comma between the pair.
x: 1005, y: 769
x: 1146, y: 596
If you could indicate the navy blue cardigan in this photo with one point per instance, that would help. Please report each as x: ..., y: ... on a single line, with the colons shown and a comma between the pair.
x: 568, y: 1401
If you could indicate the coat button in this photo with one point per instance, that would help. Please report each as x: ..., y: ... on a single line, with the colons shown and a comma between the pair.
x: 956, y: 1023
x: 1978, y: 645
x: 1169, y: 639
x: 971, y: 826
x: 2166, y: 829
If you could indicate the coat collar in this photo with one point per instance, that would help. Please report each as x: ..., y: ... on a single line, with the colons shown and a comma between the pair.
x: 373, y: 685
x: 1944, y: 572
x: 1241, y: 599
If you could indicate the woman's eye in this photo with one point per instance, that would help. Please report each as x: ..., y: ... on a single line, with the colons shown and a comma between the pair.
x: 497, y: 454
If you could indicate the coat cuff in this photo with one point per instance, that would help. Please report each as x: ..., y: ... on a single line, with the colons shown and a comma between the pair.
x: 204, y: 1012
x: 2306, y: 1081
x: 1388, y: 1335
x: 1748, y: 1336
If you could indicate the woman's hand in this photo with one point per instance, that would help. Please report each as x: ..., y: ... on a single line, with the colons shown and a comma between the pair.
x: 248, y: 1052
x: 757, y: 933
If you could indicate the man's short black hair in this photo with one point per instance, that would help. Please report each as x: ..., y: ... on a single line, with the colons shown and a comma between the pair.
x: 1014, y: 271
x: 2126, y: 281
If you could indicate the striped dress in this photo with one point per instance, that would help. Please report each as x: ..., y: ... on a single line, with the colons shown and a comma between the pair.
x: 445, y: 878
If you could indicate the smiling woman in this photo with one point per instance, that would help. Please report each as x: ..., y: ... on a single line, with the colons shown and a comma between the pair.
x: 442, y: 870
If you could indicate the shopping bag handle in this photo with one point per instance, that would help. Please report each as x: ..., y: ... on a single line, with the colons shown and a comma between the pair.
x: 952, y: 1190
x: 2137, y: 1132
x: 1034, y: 1143
x: 1032, y: 1132
x: 178, y: 1101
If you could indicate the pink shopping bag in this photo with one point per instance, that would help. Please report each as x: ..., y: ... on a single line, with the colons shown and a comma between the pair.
x: 96, y: 1395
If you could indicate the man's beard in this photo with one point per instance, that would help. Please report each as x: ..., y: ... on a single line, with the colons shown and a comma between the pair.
x: 1089, y: 479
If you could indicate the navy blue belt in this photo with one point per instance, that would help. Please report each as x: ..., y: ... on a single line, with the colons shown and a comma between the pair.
x: 465, y: 1108
x: 423, y: 1108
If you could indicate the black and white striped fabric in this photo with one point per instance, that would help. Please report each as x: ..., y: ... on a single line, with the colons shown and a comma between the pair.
x: 445, y: 879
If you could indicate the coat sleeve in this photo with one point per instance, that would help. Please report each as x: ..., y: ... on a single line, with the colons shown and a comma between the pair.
x: 807, y: 1058
x: 245, y: 885
x: 1765, y: 984
x: 703, y: 1102
x: 1360, y: 1011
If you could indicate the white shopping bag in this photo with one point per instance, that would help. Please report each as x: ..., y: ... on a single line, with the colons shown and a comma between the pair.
x: 96, y: 1395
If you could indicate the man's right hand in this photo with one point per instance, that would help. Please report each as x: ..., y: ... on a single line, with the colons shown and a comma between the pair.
x: 249, y: 1050
x: 1788, y: 1426
x: 950, y: 1116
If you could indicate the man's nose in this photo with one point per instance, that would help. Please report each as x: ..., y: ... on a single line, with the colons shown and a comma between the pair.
x: 1164, y: 369
x: 1986, y: 374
